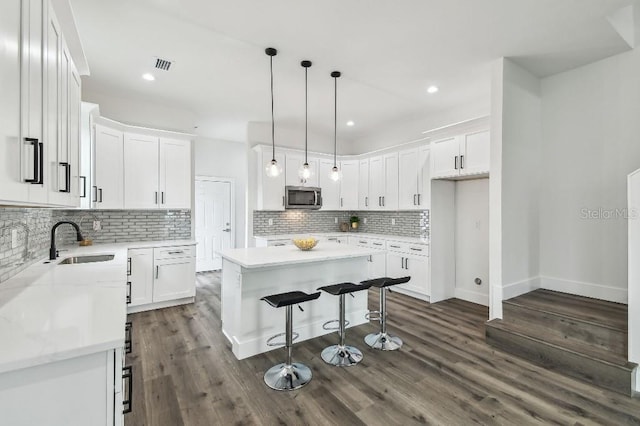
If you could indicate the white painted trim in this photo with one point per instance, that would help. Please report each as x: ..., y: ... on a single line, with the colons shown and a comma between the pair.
x: 159, y: 305
x: 232, y: 182
x: 635, y: 381
x: 459, y: 123
x: 147, y: 130
x: 593, y: 290
x: 410, y: 293
x: 471, y: 296
x: 517, y: 288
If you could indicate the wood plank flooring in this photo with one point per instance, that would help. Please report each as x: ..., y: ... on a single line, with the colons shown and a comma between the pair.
x: 445, y: 374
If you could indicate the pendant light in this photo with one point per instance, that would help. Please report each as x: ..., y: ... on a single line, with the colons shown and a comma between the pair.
x: 335, y: 172
x: 273, y: 169
x: 305, y: 172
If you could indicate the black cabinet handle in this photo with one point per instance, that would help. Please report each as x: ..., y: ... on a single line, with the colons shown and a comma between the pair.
x: 406, y: 263
x: 84, y: 187
x: 341, y: 201
x: 156, y: 202
x: 38, y: 161
x: 402, y: 262
x: 128, y: 337
x: 162, y: 196
x: 157, y: 271
x: 128, y: 292
x: 67, y: 177
x: 129, y: 266
x: 414, y: 200
x: 419, y: 199
x: 100, y: 198
x: 366, y: 201
x: 456, y: 162
x: 461, y: 162
x: 127, y: 399
x: 392, y: 246
x: 377, y: 244
x: 94, y: 197
x: 383, y: 201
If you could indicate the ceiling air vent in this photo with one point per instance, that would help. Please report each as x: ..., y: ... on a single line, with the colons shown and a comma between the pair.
x: 163, y: 64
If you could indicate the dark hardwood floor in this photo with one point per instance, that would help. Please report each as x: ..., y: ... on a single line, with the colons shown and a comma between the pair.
x: 185, y: 374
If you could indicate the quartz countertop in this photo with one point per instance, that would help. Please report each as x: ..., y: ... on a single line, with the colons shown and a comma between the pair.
x: 259, y: 257
x: 414, y: 240
x: 51, y: 312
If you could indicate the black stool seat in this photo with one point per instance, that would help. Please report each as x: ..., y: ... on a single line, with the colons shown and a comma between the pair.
x: 289, y: 298
x: 344, y: 288
x: 385, y: 282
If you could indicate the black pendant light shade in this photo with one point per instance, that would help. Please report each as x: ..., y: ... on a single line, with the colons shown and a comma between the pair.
x: 305, y: 172
x: 335, y: 172
x: 273, y: 169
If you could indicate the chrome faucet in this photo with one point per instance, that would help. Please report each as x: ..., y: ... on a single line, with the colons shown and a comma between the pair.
x: 53, y: 253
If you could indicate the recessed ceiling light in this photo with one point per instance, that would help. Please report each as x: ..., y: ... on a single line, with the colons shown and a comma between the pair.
x: 148, y: 77
x: 350, y: 123
x: 432, y: 89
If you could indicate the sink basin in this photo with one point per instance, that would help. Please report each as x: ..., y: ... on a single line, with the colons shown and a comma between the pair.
x: 87, y: 259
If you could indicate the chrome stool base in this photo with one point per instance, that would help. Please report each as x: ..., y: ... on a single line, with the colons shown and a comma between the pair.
x: 341, y: 356
x: 284, y: 377
x: 383, y: 341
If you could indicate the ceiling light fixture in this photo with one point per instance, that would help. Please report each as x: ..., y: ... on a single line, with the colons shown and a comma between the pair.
x: 432, y: 89
x: 305, y: 171
x: 273, y: 169
x: 335, y: 172
x: 350, y: 123
x: 148, y: 77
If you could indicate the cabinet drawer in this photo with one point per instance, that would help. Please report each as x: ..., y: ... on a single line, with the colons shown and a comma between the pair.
x: 408, y: 248
x: 278, y: 243
x: 175, y: 252
x: 373, y: 243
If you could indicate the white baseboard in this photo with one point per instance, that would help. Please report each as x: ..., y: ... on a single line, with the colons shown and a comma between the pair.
x: 512, y: 290
x: 635, y: 382
x: 410, y: 293
x: 471, y: 296
x: 159, y: 305
x: 596, y: 291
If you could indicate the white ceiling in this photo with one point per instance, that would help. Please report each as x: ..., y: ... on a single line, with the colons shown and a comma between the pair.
x: 388, y: 51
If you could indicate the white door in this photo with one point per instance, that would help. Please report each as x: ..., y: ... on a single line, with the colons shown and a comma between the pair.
x: 213, y: 223
x: 349, y: 185
x: 140, y: 171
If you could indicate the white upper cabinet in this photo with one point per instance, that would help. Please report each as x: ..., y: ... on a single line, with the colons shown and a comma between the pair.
x: 141, y: 171
x: 460, y: 156
x: 391, y: 176
x: 108, y: 189
x: 270, y: 189
x: 363, y: 185
x: 376, y: 182
x: 175, y: 174
x: 349, y: 185
x: 330, y: 188
x: 474, y: 153
x: 414, y: 179
x: 292, y: 167
x: 38, y: 142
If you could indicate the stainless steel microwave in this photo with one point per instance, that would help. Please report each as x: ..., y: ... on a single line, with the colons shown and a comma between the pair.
x: 302, y: 197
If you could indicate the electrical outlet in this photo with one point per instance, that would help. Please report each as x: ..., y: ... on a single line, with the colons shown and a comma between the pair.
x: 14, y: 238
x: 365, y: 220
x: 97, y: 226
x: 393, y: 221
x: 335, y: 220
x: 270, y: 222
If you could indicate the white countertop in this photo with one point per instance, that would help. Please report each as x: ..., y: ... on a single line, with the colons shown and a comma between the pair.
x: 50, y: 312
x: 259, y: 257
x: 414, y: 240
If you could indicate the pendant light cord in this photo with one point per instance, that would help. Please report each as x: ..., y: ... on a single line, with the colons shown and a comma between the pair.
x: 335, y: 120
x: 273, y: 126
x: 306, y: 115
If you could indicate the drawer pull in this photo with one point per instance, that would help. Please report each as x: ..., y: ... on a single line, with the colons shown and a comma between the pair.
x: 394, y: 246
x: 127, y: 376
x: 176, y: 252
x: 378, y: 244
x: 416, y: 249
x: 362, y: 242
x: 128, y: 337
x: 128, y: 292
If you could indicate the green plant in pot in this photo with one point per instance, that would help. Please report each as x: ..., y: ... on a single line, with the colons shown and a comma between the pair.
x: 355, y: 220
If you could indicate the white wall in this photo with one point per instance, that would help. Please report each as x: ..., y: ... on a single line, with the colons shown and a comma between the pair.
x: 132, y: 110
x: 591, y: 130
x: 285, y: 137
x: 516, y: 134
x: 226, y: 159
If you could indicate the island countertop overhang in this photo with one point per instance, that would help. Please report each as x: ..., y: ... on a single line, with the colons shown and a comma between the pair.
x: 260, y: 257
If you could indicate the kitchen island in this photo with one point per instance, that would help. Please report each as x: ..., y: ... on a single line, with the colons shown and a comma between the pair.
x: 249, y: 274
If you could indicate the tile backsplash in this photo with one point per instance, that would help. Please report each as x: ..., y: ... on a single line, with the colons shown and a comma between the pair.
x: 32, y: 227
x: 407, y: 223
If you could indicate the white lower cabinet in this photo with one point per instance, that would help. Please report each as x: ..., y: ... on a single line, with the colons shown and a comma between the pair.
x: 377, y: 263
x: 412, y: 260
x: 159, y: 277
x: 92, y: 389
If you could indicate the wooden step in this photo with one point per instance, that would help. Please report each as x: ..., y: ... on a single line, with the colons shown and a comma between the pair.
x: 570, y: 328
x: 573, y: 358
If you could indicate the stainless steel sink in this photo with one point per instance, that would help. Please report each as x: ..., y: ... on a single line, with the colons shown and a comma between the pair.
x: 87, y: 259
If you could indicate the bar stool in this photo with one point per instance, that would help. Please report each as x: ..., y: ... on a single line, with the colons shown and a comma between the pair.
x: 382, y: 340
x: 341, y: 355
x: 288, y: 375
